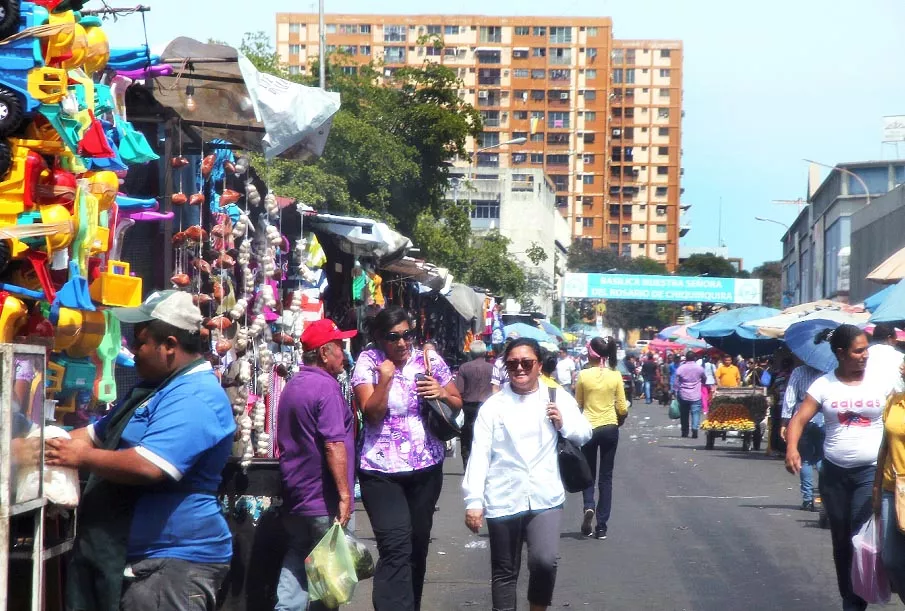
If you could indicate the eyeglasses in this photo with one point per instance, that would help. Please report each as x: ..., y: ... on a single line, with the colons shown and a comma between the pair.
x: 394, y: 337
x: 526, y: 364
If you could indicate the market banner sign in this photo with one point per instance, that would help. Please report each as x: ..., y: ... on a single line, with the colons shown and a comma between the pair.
x: 663, y: 288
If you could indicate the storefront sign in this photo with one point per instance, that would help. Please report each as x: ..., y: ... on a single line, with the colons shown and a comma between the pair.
x: 663, y: 288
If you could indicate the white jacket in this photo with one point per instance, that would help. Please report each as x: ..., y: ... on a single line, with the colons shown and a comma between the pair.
x: 513, y: 465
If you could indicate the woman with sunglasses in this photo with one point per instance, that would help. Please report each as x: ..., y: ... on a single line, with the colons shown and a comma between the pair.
x: 401, y: 465
x: 512, y: 478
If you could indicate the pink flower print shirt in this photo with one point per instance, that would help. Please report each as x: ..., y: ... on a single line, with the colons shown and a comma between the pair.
x: 401, y: 442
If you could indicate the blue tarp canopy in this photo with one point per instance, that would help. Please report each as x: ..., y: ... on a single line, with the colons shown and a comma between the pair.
x: 876, y: 300
x: 725, y: 332
x: 892, y: 308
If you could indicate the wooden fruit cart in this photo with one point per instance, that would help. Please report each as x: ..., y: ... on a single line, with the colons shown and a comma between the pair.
x: 747, y: 404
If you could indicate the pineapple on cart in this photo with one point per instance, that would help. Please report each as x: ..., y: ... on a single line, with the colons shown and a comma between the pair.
x: 740, y: 409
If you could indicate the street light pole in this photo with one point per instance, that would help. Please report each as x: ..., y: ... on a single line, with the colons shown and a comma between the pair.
x: 845, y: 171
x: 322, y: 51
x: 775, y: 222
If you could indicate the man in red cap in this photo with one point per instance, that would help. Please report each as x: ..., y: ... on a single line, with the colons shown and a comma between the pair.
x: 315, y: 436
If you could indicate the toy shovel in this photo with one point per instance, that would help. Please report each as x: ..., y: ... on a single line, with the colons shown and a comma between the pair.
x: 106, y: 354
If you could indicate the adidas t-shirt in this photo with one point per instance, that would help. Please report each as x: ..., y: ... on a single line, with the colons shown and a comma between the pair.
x: 854, y: 419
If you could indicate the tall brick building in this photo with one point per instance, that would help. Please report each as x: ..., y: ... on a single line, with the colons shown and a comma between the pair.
x: 602, y: 117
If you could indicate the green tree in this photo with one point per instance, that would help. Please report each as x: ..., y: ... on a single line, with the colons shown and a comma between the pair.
x: 707, y: 264
x: 771, y: 274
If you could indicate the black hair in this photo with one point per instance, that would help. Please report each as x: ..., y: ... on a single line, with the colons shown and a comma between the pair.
x: 523, y: 341
x: 689, y: 356
x: 386, y: 319
x: 650, y: 356
x: 159, y: 331
x: 548, y: 362
x: 883, y: 332
x: 606, y: 348
x: 840, y: 338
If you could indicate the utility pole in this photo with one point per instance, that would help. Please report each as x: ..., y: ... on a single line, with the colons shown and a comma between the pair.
x: 322, y: 47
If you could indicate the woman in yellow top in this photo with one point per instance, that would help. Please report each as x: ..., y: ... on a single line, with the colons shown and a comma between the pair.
x: 891, y: 460
x: 601, y: 396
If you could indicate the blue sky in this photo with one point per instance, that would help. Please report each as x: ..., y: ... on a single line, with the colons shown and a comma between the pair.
x: 766, y: 84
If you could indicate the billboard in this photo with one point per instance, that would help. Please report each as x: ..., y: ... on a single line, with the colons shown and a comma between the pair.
x: 663, y: 288
x: 894, y: 128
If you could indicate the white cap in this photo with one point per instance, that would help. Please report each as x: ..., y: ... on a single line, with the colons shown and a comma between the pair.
x: 172, y: 307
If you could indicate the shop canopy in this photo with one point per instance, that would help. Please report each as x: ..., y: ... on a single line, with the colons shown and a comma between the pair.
x: 874, y: 301
x: 727, y: 332
x: 361, y: 237
x: 893, y: 307
x: 234, y: 102
x: 420, y: 271
x: 891, y: 270
x: 775, y: 326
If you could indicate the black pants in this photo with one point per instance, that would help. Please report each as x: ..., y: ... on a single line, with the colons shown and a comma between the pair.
x: 605, y: 439
x: 847, y: 498
x: 170, y: 584
x: 540, y: 530
x: 470, y: 411
x: 401, y: 509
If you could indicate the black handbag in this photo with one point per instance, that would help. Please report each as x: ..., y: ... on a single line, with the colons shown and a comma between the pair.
x: 574, y: 469
x: 439, y: 417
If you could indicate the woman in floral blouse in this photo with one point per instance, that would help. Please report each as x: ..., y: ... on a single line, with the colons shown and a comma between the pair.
x: 401, y: 467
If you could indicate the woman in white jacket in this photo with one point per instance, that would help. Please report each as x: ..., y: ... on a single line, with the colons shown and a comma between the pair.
x: 513, y: 478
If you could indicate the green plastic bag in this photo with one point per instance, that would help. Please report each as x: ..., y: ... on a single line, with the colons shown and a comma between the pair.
x: 674, y: 409
x: 331, y: 570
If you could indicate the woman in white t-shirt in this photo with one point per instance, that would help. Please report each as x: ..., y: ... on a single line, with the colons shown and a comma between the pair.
x: 852, y: 404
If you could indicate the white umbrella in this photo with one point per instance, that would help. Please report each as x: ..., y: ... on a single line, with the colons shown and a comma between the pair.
x: 775, y: 326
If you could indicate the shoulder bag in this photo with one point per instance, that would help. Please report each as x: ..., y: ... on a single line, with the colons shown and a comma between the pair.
x: 439, y: 417
x: 574, y: 469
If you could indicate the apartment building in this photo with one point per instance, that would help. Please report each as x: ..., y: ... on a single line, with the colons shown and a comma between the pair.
x: 601, y: 117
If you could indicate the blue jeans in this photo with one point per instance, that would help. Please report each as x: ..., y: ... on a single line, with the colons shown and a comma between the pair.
x: 810, y: 447
x: 605, y: 439
x: 893, y: 546
x: 648, y: 391
x: 304, y: 533
x: 847, y: 498
x: 690, y: 410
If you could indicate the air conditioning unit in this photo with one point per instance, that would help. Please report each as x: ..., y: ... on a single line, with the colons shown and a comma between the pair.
x: 661, y: 250
x: 505, y: 73
x: 626, y: 230
x: 482, y: 95
x: 564, y: 96
x: 617, y: 132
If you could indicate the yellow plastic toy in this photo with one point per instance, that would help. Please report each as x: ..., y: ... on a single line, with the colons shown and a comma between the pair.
x: 90, y: 336
x: 78, y: 49
x: 54, y: 379
x: 59, y: 43
x: 13, y: 314
x: 98, y: 52
x: 115, y: 287
x: 67, y: 329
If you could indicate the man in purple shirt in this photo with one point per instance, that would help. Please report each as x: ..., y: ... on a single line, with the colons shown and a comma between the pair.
x: 687, y: 386
x: 316, y: 439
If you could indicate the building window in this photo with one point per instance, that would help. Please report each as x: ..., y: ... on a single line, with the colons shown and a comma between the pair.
x: 558, y: 138
x: 520, y: 73
x: 522, y: 30
x: 539, y: 31
x: 661, y: 210
x: 664, y: 72
x: 664, y: 93
x: 330, y: 49
x: 557, y: 160
x: 394, y: 33
x: 592, y: 55
x: 626, y: 250
x: 519, y: 158
x: 434, y: 51
x: 294, y: 28
x: 434, y: 30
x: 488, y: 160
x: 537, y: 137
x: 592, y: 30
x: 348, y: 28
x: 560, y: 181
x: 590, y: 74
x: 663, y: 150
x: 490, y: 118
x: 490, y: 34
x: 364, y: 29
x: 485, y: 210
x: 618, y: 56
x: 589, y: 139
x: 295, y: 49
x: 538, y: 74
x: 588, y: 158
x: 331, y: 28
x: 537, y: 157
x: 293, y: 70
x: 614, y: 211
x: 348, y: 49
x: 561, y: 56
x: 587, y: 179
x: 520, y: 115
x: 538, y: 52
x: 663, y: 131
x: 561, y: 74
x: 587, y: 200
x: 558, y: 120
x: 537, y: 95
x: 630, y: 75
x: 590, y: 94
x: 590, y: 116
x: 394, y: 55
x: 350, y: 70
x: 661, y: 191
x: 450, y: 30
x: 516, y: 135
x: 560, y: 35
x: 488, y: 57
x: 488, y: 139
x: 537, y: 114
x: 663, y: 113
x: 661, y: 249
x: 664, y: 52
x: 661, y: 228
x: 587, y: 222
x: 562, y: 201
x: 618, y: 75
x: 662, y: 170
x: 519, y: 54
x: 364, y: 49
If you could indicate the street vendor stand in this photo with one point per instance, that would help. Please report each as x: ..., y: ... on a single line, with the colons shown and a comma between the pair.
x: 740, y: 410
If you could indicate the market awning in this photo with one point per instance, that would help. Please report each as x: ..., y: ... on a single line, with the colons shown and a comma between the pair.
x: 891, y: 270
x: 361, y: 237
x: 232, y: 101
x: 420, y: 271
x: 466, y: 301
x: 775, y: 326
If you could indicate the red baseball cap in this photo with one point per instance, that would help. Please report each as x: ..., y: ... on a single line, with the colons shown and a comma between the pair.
x: 321, y: 332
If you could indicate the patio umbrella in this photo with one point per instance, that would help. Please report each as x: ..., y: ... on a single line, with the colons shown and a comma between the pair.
x: 800, y: 340
x: 669, y: 332
x: 874, y: 301
x: 524, y: 330
x: 551, y: 329
x: 893, y: 307
x: 891, y: 270
x: 726, y: 332
x: 776, y: 326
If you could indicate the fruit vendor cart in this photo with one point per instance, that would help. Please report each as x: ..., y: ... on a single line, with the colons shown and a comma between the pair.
x: 736, y: 409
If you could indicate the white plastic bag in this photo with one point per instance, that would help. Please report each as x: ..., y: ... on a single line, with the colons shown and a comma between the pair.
x: 868, y: 576
x: 61, y: 484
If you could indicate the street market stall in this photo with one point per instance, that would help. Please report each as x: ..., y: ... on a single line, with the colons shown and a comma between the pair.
x: 741, y: 410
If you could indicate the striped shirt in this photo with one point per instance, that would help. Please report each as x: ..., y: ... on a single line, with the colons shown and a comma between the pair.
x: 796, y: 391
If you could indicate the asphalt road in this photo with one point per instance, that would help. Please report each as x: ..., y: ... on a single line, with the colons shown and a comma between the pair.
x: 691, y: 530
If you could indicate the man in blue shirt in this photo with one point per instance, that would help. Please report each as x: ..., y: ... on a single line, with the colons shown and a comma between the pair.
x: 151, y: 534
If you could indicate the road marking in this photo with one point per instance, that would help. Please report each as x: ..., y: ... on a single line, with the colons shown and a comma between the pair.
x: 743, y: 498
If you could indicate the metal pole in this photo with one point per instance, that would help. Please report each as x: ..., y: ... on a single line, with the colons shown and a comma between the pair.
x: 562, y: 305
x: 845, y: 171
x: 322, y: 47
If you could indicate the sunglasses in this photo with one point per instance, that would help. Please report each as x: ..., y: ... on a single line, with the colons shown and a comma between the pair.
x: 526, y: 364
x: 394, y: 337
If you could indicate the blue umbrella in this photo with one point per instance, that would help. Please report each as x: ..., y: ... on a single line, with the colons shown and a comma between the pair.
x: 876, y: 300
x: 893, y: 307
x: 524, y: 330
x: 551, y: 329
x: 725, y: 331
x: 800, y: 340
